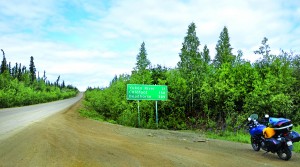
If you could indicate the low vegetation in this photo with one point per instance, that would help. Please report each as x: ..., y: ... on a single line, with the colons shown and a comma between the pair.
x: 20, y: 86
x: 216, y: 95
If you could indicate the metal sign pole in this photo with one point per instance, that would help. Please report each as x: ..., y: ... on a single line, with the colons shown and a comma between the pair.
x: 139, y: 120
x: 156, y: 114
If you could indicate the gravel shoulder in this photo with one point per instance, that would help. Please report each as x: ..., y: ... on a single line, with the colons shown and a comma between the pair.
x: 15, y: 119
x: 66, y: 139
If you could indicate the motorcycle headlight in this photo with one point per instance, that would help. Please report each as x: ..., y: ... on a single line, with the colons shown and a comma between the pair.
x: 267, y: 116
x: 249, y: 119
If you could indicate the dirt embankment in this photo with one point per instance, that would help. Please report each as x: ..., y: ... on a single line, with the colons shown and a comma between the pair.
x: 66, y: 139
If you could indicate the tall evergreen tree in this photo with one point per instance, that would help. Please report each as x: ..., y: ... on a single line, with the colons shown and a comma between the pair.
x: 3, y: 63
x: 141, y: 70
x: 44, y: 76
x: 205, y: 54
x: 223, y: 48
x: 32, y: 70
x: 189, y: 56
x: 57, y: 81
x: 9, y: 68
x: 14, y: 71
x: 19, y: 72
x: 63, y: 84
x: 190, y: 67
x: 141, y: 60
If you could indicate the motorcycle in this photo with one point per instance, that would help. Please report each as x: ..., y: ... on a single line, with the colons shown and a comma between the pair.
x: 273, y: 135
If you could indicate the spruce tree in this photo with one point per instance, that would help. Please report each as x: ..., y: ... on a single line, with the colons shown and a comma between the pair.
x: 3, y: 63
x: 141, y: 72
x: 57, y: 81
x: 32, y: 70
x: 205, y: 54
x: 141, y: 60
x: 44, y: 76
x: 63, y: 84
x: 223, y: 48
x: 19, y: 72
x: 190, y: 67
x: 15, y: 71
x: 9, y: 69
x: 189, y: 56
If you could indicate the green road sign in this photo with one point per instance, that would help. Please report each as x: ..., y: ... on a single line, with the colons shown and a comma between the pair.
x: 147, y: 92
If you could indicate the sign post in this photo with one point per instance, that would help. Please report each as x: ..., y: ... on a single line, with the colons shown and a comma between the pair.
x: 139, y: 119
x: 156, y: 113
x: 147, y: 92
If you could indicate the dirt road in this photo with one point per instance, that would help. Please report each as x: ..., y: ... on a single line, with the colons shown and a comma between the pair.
x: 66, y: 139
x: 14, y: 119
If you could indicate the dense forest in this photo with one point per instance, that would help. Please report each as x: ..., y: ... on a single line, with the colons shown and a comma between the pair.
x: 20, y: 86
x: 213, y: 94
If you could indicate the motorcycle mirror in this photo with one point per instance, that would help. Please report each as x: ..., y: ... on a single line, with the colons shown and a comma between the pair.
x: 249, y: 119
x: 267, y: 116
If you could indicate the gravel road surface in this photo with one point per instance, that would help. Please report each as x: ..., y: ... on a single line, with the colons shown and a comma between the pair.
x: 14, y: 119
x: 65, y: 139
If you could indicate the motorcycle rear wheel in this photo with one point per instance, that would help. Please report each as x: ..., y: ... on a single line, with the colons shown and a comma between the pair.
x: 284, y: 153
x: 255, y: 145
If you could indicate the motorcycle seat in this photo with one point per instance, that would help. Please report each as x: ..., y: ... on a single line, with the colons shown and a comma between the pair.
x: 278, y: 121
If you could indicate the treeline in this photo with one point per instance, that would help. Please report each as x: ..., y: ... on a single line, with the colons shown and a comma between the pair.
x: 20, y: 86
x: 203, y: 93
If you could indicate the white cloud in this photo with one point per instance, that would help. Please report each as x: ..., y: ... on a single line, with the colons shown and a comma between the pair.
x: 89, y: 50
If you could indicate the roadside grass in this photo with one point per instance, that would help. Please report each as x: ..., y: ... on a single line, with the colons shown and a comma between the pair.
x: 297, y: 145
x: 241, y: 136
x: 90, y: 114
x: 244, y: 137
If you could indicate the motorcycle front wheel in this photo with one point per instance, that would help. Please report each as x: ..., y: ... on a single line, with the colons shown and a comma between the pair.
x: 284, y: 153
x: 255, y: 145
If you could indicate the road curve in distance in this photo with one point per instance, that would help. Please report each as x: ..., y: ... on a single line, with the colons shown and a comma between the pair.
x: 14, y: 119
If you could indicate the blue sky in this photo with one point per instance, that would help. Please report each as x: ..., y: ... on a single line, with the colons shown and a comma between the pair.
x: 87, y: 42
